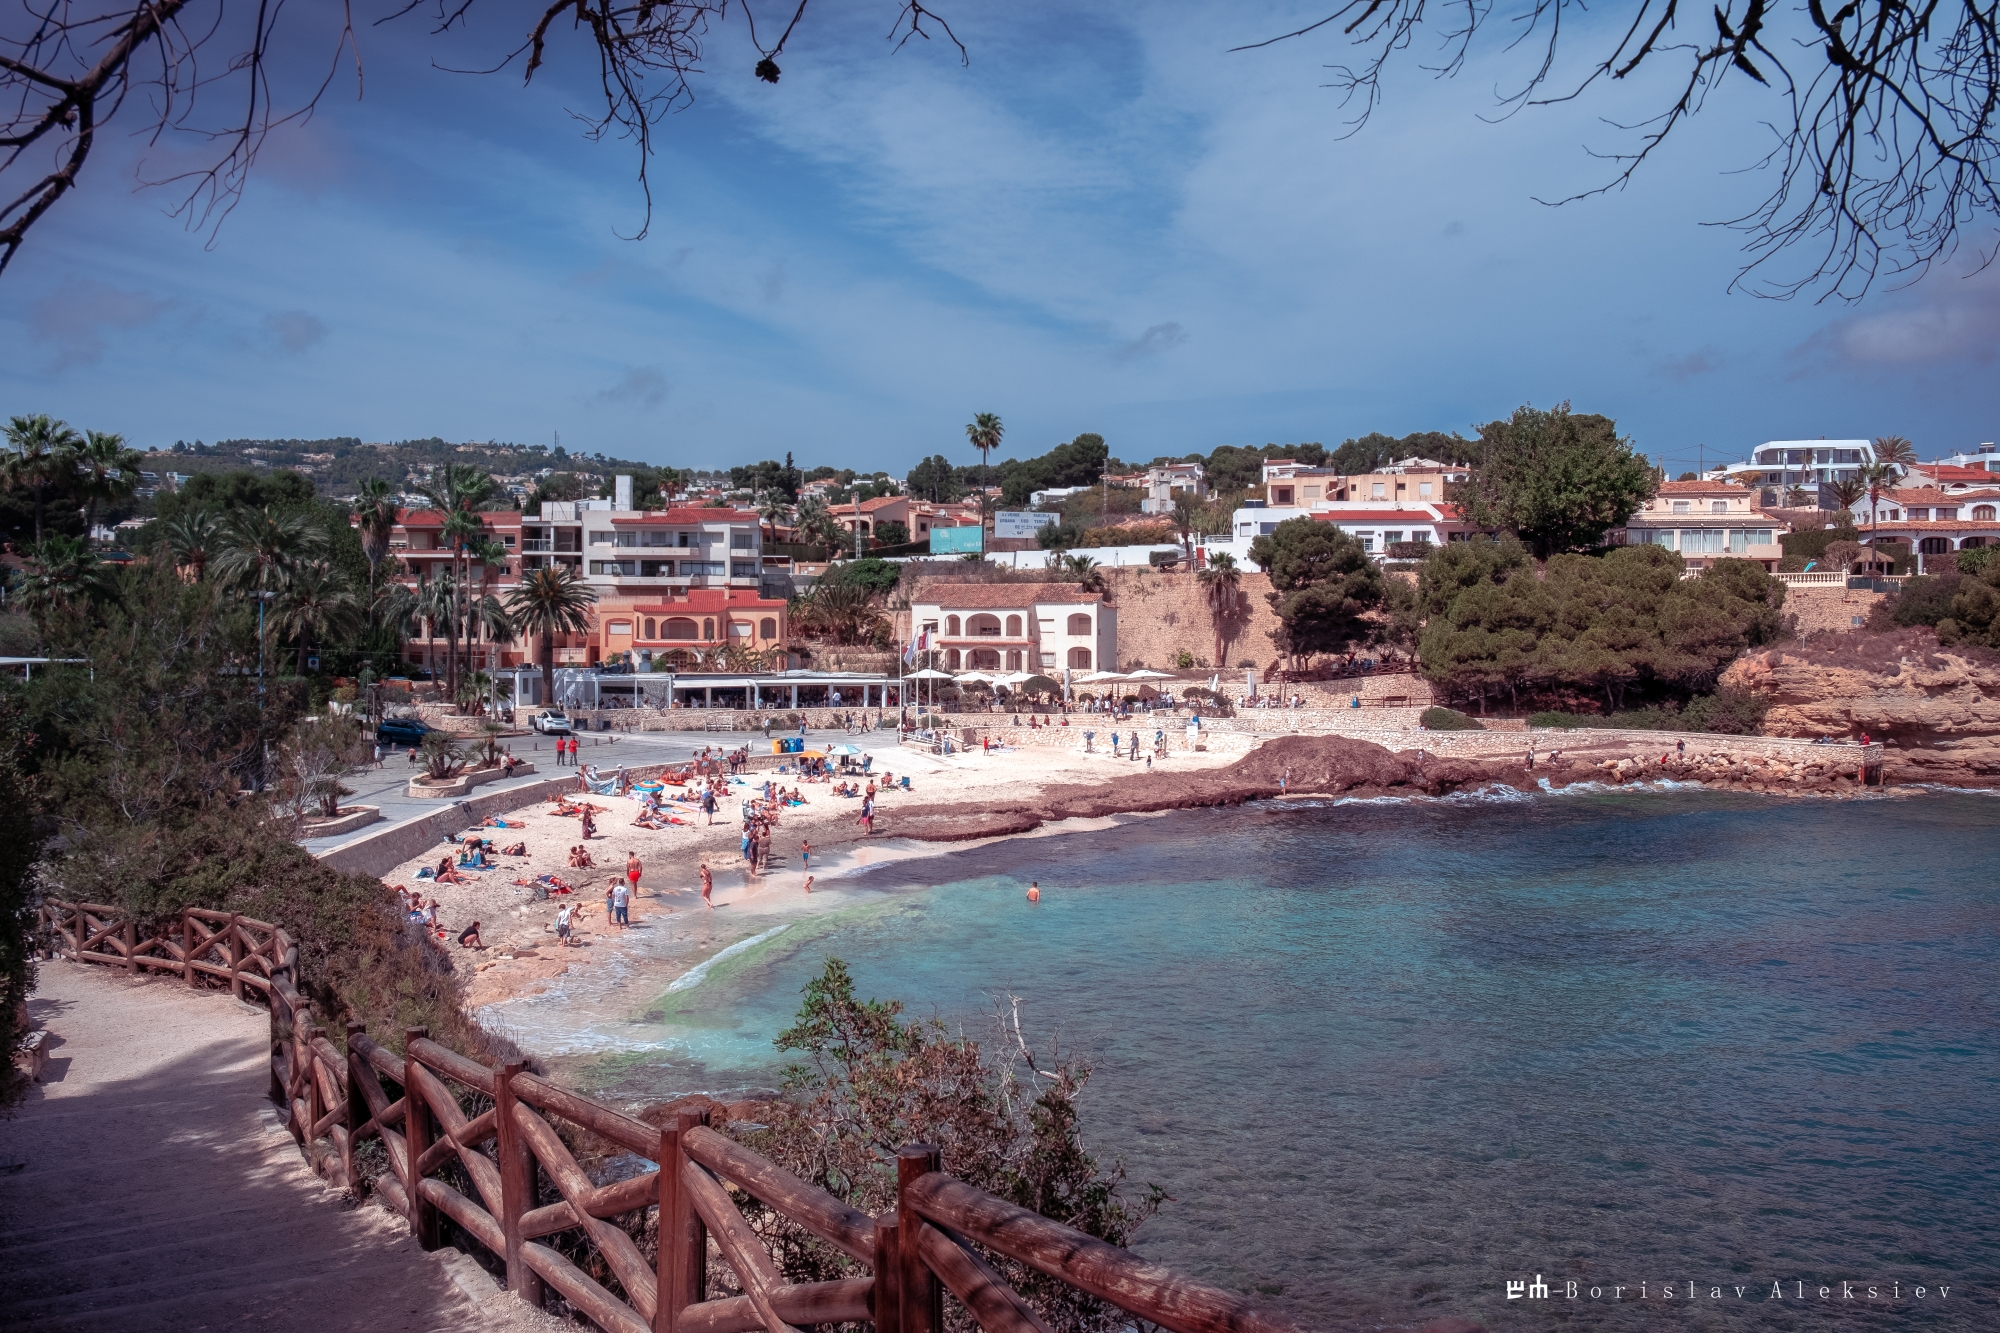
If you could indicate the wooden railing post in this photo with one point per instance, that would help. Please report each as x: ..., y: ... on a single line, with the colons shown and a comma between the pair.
x: 187, y: 950
x: 302, y: 1070
x: 683, y: 1237
x: 236, y: 955
x: 417, y: 1136
x: 886, y: 1297
x: 82, y: 930
x: 517, y: 1184
x: 920, y: 1296
x: 357, y: 1104
x: 131, y: 937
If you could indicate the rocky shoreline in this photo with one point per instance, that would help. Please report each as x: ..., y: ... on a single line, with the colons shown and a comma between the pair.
x: 1342, y: 766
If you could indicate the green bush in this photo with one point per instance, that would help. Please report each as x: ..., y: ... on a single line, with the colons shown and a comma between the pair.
x: 1450, y: 719
x: 1925, y: 600
x: 1976, y: 559
x: 1726, y: 712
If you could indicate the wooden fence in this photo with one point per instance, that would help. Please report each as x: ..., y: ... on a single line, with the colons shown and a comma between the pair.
x: 527, y: 1188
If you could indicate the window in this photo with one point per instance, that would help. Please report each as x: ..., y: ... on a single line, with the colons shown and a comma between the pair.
x: 1013, y: 627
x: 1917, y: 514
x: 1080, y: 657
x: 650, y: 628
x: 1934, y: 545
x: 951, y: 659
x: 1265, y: 529
x: 680, y: 628
x: 656, y: 569
x: 1378, y: 491
x: 1367, y: 540
x: 1982, y: 513
x: 1079, y: 623
x: 767, y: 628
x: 1702, y: 541
x: 741, y: 629
x: 707, y: 628
x: 1946, y: 515
x: 1423, y: 490
x: 508, y: 539
x: 600, y: 539
x: 701, y: 568
x: 1718, y: 506
x: 983, y: 625
x: 1388, y: 537
x: 1013, y: 659
x: 617, y: 627
x: 930, y: 627
x: 1048, y: 661
x: 1680, y: 506
x: 741, y: 541
x: 743, y: 569
x: 615, y: 568
x: 951, y: 626
x: 1743, y: 540
x: 1281, y: 495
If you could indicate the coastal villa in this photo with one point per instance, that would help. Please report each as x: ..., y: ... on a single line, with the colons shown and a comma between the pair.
x: 1291, y: 484
x: 918, y: 517
x: 1043, y: 627
x: 1781, y: 463
x: 1931, y: 520
x: 1378, y: 526
x: 1706, y: 521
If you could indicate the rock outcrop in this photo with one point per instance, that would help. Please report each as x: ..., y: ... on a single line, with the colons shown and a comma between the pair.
x: 1938, y: 710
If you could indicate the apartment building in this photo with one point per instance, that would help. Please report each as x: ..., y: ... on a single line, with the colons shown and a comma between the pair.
x: 1291, y: 484
x: 1167, y: 483
x: 1039, y: 627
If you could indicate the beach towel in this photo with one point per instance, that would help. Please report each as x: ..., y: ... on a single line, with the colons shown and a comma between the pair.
x: 427, y: 873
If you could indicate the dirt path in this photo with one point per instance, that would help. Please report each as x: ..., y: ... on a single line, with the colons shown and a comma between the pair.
x: 147, y: 1184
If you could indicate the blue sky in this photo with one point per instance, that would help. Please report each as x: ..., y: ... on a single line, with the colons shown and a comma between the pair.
x: 1104, y: 222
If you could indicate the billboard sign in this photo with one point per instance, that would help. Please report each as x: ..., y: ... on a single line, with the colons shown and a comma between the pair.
x: 1022, y: 524
x: 958, y: 541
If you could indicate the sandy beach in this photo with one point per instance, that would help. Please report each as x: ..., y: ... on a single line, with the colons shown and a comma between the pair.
x: 522, y: 956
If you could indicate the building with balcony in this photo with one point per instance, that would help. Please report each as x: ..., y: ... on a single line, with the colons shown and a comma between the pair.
x: 1705, y: 521
x: 1040, y: 627
x: 1809, y: 463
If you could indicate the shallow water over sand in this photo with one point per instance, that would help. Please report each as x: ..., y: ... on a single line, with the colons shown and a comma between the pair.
x: 1388, y: 1056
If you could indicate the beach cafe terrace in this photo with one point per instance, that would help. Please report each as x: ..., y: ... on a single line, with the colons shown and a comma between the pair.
x: 588, y: 690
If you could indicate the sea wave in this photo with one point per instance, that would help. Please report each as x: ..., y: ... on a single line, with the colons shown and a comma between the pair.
x: 695, y: 975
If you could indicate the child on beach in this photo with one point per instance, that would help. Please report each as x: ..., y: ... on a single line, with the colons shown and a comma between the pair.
x: 707, y: 884
x: 562, y: 924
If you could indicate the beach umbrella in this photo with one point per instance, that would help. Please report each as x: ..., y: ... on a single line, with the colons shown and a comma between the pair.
x: 1147, y: 673
x: 844, y: 751
x: 928, y: 673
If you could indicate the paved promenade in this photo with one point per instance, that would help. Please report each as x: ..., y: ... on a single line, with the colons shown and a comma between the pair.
x: 147, y: 1185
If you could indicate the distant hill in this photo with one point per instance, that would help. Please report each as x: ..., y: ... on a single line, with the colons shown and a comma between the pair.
x: 338, y: 466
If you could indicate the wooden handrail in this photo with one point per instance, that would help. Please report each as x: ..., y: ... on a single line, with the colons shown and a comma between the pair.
x: 929, y: 1243
x: 1104, y: 1270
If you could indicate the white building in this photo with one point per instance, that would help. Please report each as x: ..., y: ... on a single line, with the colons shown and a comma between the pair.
x: 1041, y: 627
x: 1168, y: 482
x: 1799, y: 462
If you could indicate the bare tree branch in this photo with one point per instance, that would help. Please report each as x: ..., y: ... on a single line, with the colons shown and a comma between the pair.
x: 1884, y: 147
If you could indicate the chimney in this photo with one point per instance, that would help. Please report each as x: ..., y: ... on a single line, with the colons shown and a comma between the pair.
x: 621, y: 491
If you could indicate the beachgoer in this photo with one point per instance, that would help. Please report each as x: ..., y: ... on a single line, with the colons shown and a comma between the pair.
x: 469, y: 937
x: 809, y: 883
x: 562, y: 923
x: 1681, y: 749
x: 1034, y: 891
x: 589, y: 826
x: 634, y: 869
x: 805, y: 854
x: 621, y: 903
x: 707, y: 884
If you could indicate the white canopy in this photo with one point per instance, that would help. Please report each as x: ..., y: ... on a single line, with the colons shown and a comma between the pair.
x: 928, y: 674
x: 1147, y: 673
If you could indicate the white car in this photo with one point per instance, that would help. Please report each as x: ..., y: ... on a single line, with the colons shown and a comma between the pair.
x: 551, y: 722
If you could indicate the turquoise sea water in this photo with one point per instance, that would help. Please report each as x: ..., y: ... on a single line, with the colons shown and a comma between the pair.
x: 1388, y: 1056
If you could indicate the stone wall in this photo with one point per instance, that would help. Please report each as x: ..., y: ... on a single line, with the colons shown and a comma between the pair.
x: 1161, y: 615
x: 1829, y: 610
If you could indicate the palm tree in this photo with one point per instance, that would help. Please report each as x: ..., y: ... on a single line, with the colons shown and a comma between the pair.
x: 42, y: 457
x: 985, y: 432
x: 1796, y: 497
x: 437, y: 604
x: 108, y: 471
x: 1220, y: 582
x: 1848, y: 490
x: 193, y: 536
x: 458, y: 491
x: 774, y: 512
x: 1089, y: 574
x: 549, y: 601
x: 1896, y: 451
x: 261, y: 549
x: 816, y: 523
x: 375, y: 517
x: 1187, y: 516
x: 316, y: 603
x: 60, y: 570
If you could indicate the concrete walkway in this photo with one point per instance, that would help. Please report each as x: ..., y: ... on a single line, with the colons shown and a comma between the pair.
x: 147, y: 1184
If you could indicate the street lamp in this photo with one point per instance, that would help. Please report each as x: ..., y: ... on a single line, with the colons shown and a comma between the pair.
x: 262, y: 597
